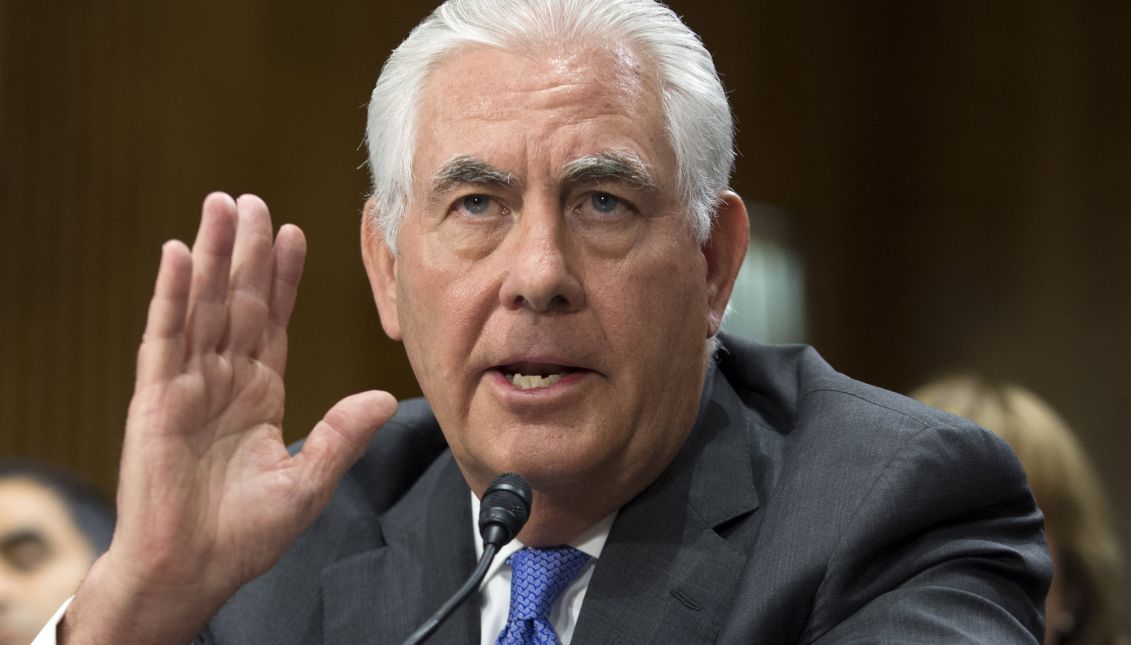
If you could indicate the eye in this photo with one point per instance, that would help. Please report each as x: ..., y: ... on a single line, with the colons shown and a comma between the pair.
x: 477, y: 206
x: 604, y: 202
x: 600, y: 206
x: 26, y: 551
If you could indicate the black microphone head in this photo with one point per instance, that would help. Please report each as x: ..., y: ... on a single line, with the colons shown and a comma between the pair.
x: 504, y: 509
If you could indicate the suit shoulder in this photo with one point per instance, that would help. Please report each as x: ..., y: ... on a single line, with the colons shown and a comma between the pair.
x: 792, y: 385
x: 818, y: 429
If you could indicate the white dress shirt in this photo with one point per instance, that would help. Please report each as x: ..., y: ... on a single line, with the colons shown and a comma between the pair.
x: 496, y: 586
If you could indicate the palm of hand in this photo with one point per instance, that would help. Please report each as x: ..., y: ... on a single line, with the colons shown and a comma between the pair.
x: 209, y: 495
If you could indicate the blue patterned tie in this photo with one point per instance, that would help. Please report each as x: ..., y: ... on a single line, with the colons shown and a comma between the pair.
x: 539, y: 576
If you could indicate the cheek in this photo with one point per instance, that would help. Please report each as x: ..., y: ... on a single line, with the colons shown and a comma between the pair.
x: 656, y: 319
x: 48, y: 587
x: 660, y: 301
x: 65, y: 577
x: 445, y: 306
x: 442, y: 315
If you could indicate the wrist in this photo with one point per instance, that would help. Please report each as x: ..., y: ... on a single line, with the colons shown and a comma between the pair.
x: 112, y: 606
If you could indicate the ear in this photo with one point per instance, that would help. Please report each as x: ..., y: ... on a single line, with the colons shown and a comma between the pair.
x: 724, y: 250
x: 381, y: 267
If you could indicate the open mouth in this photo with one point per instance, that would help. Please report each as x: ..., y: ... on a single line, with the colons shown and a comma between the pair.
x: 530, y: 376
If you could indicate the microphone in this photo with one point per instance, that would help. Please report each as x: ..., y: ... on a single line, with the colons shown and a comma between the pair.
x: 503, y: 511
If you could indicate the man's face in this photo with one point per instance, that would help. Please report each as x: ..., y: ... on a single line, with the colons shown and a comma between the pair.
x: 544, y: 237
x: 43, y: 556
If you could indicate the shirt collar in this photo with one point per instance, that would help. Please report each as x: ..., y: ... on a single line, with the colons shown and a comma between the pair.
x: 591, y: 541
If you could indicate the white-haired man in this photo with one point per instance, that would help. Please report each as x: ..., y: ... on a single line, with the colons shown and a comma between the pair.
x: 552, y: 238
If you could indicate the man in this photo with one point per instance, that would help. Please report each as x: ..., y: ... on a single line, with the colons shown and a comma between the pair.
x: 551, y: 237
x: 51, y: 529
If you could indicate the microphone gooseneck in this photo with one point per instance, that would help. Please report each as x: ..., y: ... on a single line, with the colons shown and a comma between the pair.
x: 503, y: 510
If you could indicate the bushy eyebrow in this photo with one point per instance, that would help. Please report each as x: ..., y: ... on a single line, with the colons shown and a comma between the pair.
x: 465, y: 169
x: 613, y: 166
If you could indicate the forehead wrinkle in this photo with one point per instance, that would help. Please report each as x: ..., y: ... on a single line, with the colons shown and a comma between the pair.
x: 620, y: 166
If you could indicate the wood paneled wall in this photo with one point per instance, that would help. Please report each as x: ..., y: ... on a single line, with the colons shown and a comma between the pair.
x: 957, y: 174
x: 118, y: 118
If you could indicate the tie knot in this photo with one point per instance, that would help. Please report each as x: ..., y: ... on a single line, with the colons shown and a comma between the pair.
x: 539, y: 577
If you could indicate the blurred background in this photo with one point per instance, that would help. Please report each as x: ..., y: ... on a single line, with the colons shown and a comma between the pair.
x: 933, y: 186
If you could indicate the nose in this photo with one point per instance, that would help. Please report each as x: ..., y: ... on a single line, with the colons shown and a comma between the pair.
x: 8, y: 589
x: 541, y: 265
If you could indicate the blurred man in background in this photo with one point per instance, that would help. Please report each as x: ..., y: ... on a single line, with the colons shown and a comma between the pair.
x: 51, y: 529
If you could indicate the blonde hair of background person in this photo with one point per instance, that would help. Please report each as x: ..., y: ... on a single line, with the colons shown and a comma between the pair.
x: 1081, y: 604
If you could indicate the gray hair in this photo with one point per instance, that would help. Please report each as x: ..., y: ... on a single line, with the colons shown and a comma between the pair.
x: 699, y: 122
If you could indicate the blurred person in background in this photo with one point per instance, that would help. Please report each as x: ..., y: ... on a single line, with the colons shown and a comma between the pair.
x: 51, y: 529
x: 1082, y: 601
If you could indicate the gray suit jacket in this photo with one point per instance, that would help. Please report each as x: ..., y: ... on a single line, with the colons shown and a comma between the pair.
x: 804, y: 507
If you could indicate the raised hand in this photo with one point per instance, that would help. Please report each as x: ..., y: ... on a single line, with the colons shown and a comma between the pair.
x: 208, y: 495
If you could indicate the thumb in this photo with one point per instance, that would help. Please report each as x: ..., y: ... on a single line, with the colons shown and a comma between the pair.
x: 338, y: 440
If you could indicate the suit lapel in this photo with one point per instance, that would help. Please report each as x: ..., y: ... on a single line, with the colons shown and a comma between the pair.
x: 666, y: 574
x: 381, y: 595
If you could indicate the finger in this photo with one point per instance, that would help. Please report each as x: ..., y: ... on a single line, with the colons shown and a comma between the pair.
x: 211, y: 262
x: 290, y: 255
x: 250, y: 281
x: 161, y: 354
x: 340, y: 438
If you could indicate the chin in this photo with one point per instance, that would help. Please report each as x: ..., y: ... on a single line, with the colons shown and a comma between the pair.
x: 549, y: 455
x: 559, y: 472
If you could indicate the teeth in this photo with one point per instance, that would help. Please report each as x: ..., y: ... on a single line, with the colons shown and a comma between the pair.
x: 531, y: 381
